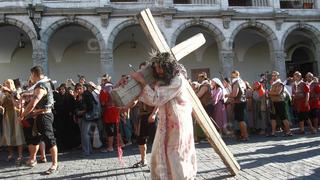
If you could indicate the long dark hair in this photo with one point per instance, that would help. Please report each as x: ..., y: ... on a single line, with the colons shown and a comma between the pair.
x: 169, y: 65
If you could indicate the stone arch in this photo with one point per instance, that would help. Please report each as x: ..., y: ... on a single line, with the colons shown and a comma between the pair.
x: 109, y: 49
x: 116, y: 30
x: 216, y: 32
x: 277, y: 56
x: 260, y: 27
x: 292, y: 49
x: 24, y: 27
x: 314, y: 36
x: 313, y: 31
x: 47, y: 34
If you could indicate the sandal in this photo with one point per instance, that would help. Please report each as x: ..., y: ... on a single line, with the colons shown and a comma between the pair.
x: 288, y: 134
x: 31, y: 163
x: 42, y: 160
x: 244, y: 139
x: 107, y: 150
x: 9, y: 158
x: 272, y: 135
x: 19, y: 161
x: 50, y: 171
x: 139, y: 164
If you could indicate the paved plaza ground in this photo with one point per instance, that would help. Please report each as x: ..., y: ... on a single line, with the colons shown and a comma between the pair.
x: 296, y: 157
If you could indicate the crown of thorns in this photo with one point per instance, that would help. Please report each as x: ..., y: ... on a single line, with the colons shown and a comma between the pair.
x: 160, y: 57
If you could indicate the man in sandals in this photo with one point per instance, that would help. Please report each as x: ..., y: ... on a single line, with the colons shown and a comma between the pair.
x: 277, y: 95
x: 40, y: 106
x: 144, y: 116
x: 301, y: 96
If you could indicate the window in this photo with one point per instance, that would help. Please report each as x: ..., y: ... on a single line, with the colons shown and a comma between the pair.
x: 297, y: 4
x: 240, y: 3
x: 123, y: 0
x: 182, y: 1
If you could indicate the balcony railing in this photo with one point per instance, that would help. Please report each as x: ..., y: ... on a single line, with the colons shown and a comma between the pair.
x: 195, y: 1
x: 284, y: 4
x: 248, y: 2
x: 297, y: 4
x: 13, y: 3
x: 71, y: 3
x: 138, y: 1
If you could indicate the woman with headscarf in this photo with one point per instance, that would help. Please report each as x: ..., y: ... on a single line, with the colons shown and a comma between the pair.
x: 12, y: 130
x: 218, y: 99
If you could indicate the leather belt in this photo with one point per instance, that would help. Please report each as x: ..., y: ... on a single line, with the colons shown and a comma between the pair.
x: 41, y: 111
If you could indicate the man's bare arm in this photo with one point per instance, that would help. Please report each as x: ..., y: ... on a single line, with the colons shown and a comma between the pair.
x: 152, y: 116
x: 307, y: 99
x: 38, y: 94
x: 202, y: 91
x: 234, y: 92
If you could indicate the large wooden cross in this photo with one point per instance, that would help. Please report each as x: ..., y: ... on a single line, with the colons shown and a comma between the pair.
x: 125, y: 95
x: 158, y: 41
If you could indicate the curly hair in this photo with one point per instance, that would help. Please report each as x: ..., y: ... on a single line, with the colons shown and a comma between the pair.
x: 167, y: 62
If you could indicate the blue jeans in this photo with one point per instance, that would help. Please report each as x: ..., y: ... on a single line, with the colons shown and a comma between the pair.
x: 85, y: 128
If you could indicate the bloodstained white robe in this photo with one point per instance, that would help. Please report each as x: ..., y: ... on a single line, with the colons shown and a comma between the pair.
x: 173, y: 154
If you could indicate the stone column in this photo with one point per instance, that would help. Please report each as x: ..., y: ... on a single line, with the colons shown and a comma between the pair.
x: 39, y: 59
x: 317, y: 59
x: 280, y: 63
x: 107, y: 63
x: 274, y: 3
x: 316, y: 4
x: 223, y: 4
x: 165, y: 3
x: 226, y: 59
x: 104, y: 2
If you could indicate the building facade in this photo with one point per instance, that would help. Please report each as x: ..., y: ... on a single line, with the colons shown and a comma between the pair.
x: 93, y: 37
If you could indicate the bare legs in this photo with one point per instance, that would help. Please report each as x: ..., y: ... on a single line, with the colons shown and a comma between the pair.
x: 286, y: 124
x: 143, y: 153
x: 243, y: 130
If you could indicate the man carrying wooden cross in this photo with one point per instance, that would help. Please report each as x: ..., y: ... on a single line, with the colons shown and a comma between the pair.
x: 126, y: 94
x: 173, y: 153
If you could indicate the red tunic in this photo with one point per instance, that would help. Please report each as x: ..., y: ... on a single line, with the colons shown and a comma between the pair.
x: 300, y: 91
x: 111, y: 114
x: 314, y: 100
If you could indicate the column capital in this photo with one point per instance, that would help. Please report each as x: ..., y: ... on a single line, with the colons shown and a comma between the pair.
x: 226, y: 17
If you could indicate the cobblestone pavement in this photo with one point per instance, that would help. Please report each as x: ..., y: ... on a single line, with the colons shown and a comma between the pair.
x: 296, y: 157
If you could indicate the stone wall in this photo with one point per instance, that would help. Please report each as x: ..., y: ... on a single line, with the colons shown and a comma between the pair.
x: 105, y: 22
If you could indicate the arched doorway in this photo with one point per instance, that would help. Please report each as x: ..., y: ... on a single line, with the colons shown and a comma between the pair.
x: 130, y: 46
x: 73, y: 50
x: 300, y: 46
x: 252, y: 54
x: 206, y: 58
x: 15, y: 53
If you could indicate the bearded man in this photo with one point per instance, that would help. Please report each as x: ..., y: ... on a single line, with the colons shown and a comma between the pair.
x: 173, y: 153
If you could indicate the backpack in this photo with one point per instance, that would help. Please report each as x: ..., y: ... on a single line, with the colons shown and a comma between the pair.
x: 94, y: 114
